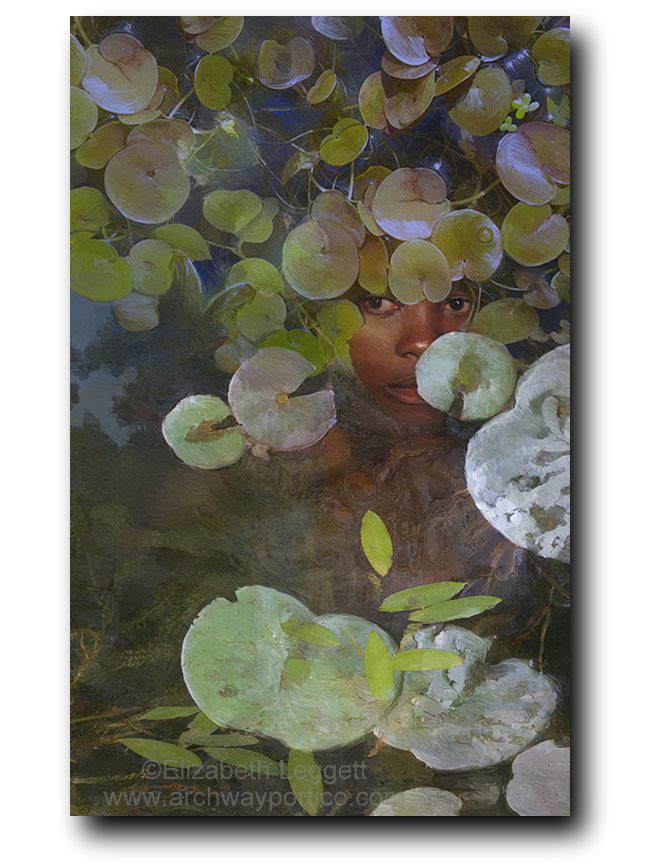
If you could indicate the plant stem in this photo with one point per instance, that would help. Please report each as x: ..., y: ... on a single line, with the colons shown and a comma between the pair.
x: 477, y: 195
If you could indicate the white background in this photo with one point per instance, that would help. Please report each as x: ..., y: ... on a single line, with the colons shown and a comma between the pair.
x: 620, y: 251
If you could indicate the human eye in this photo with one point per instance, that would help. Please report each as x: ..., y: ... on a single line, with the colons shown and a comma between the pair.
x: 378, y: 306
x: 458, y: 304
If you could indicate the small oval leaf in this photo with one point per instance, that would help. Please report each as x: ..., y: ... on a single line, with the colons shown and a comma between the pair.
x: 162, y: 752
x: 169, y: 712
x: 465, y: 607
x: 427, y: 658
x: 421, y: 596
x: 376, y: 542
x: 306, y: 780
x: 309, y: 631
x: 378, y: 665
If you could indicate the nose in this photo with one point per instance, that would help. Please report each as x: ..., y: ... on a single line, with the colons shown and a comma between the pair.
x: 419, y: 328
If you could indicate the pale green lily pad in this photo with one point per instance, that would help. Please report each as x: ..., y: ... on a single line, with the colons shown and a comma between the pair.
x: 346, y: 142
x: 137, y: 312
x: 103, y: 143
x: 260, y: 316
x: 409, y: 202
x: 221, y: 34
x: 338, y: 27
x: 234, y: 657
x: 184, y: 240
x: 320, y: 260
x: 420, y: 802
x: 195, y: 430
x: 313, y: 349
x: 473, y: 715
x: 231, y: 210
x: 407, y: 100
x: 471, y: 243
x: 552, y: 53
x: 518, y: 465
x: 97, y: 271
x: 77, y: 61
x: 455, y: 71
x: 258, y: 273
x: 508, y: 320
x: 83, y: 116
x: 541, y: 782
x: 415, y: 39
x: 471, y: 368
x: 333, y: 207
x: 212, y: 81
x: 121, y: 75
x: 170, y: 132
x: 260, y: 397
x: 260, y: 228
x: 151, y: 264
x: 419, y: 271
x: 494, y: 36
x: 88, y: 210
x: 486, y: 103
x: 533, y: 234
x: 532, y: 162
x: 282, y: 66
x: 376, y: 542
x: 147, y: 182
x: 323, y: 88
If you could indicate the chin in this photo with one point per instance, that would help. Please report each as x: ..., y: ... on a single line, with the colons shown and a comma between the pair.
x: 421, y: 415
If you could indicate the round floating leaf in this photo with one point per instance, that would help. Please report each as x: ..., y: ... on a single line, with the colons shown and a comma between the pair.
x: 376, y: 542
x: 184, y: 240
x: 415, y: 39
x: 260, y: 316
x: 471, y: 243
x: 397, y: 69
x: 147, y: 114
x: 172, y: 133
x: 486, y: 103
x: 455, y: 71
x: 406, y: 100
x: 339, y: 321
x: 305, y: 780
x: 103, y: 143
x: 541, y: 782
x: 147, y: 183
x: 151, y: 264
x: 221, y: 34
x: 323, y: 88
x: 260, y: 228
x: 532, y: 161
x: 533, y: 235
x: 508, y: 320
x: 88, y: 210
x: 453, y: 610
x: 518, y: 465
x: 77, y: 61
x: 162, y: 752
x: 347, y: 141
x: 212, y: 81
x: 136, y: 312
x: 196, y: 429
x: 372, y: 102
x: 259, y: 395
x: 282, y: 66
x: 552, y: 53
x: 333, y: 207
x: 121, y: 75
x: 307, y: 345
x: 378, y: 666
x: 374, y: 264
x: 320, y: 260
x: 475, y: 370
x: 195, y: 24
x: 258, y: 273
x: 227, y: 146
x: 421, y: 596
x: 245, y: 672
x: 409, y: 202
x: 231, y: 210
x: 419, y: 271
x: 98, y: 272
x: 232, y: 353
x: 83, y: 116
x: 471, y: 716
x: 495, y: 36
x: 420, y: 802
x: 337, y: 27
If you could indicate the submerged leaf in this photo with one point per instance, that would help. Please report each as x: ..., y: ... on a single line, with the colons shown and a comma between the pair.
x: 251, y: 760
x: 378, y: 667
x: 309, y: 631
x: 162, y: 752
x: 305, y: 780
x: 421, y: 595
x: 169, y: 712
x: 420, y: 802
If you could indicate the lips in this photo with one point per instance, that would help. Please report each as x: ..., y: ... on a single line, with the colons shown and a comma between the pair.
x: 405, y: 391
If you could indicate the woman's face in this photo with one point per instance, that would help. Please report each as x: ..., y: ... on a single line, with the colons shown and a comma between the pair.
x: 391, y: 340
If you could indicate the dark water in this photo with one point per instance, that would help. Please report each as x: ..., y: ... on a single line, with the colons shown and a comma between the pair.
x: 154, y: 541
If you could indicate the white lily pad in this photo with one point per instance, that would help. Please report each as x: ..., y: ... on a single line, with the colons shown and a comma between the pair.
x: 244, y: 671
x: 409, y: 202
x: 420, y: 802
x: 541, y: 781
x: 195, y: 432
x: 474, y: 369
x: 471, y: 716
x: 121, y: 75
x: 261, y: 399
x: 518, y: 465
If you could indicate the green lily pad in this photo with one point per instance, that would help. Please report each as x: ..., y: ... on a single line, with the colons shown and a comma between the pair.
x: 260, y: 397
x: 452, y: 73
x: 151, y: 264
x: 212, y: 81
x: 234, y: 656
x: 338, y: 27
x: 419, y: 271
x: 420, y: 596
x: 172, y: 133
x: 195, y: 430
x: 452, y: 610
x: 415, y: 39
x: 103, y: 143
x: 77, y: 61
x: 260, y: 228
x: 378, y: 667
x: 162, y: 752
x: 231, y: 210
x: 374, y: 264
x: 376, y: 542
x: 471, y: 368
x: 508, y: 320
x: 313, y: 349
x: 260, y: 316
x: 97, y: 271
x: 305, y: 780
x: 88, y: 210
x: 346, y: 142
x: 533, y: 234
x: 407, y: 100
x: 323, y: 88
x: 137, y: 312
x: 552, y: 52
x: 320, y: 260
x: 494, y: 36
x: 333, y: 207
x: 121, y: 75
x: 420, y: 802
x: 221, y: 34
x: 83, y: 116
x: 409, y: 202
x: 471, y: 243
x: 184, y: 240
x: 261, y: 275
x: 485, y: 105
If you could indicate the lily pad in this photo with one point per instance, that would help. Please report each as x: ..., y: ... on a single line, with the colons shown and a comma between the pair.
x: 314, y: 350
x: 83, y: 116
x: 398, y: 69
x: 541, y: 782
x: 534, y: 162
x: 452, y: 73
x: 147, y: 182
x: 258, y: 273
x: 338, y: 27
x: 121, y: 75
x: 151, y: 263
x: 486, y: 103
x: 77, y: 61
x: 346, y: 142
x: 260, y: 316
x: 212, y: 81
x: 320, y: 260
x: 137, y: 312
x: 419, y: 271
x: 333, y: 207
x: 173, y: 133
x: 88, y: 210
x: 407, y: 100
x: 471, y: 243
x: 282, y: 66
x: 415, y: 39
x: 508, y: 320
x: 477, y: 371
x: 420, y: 802
x: 184, y: 240
x: 409, y: 202
x: 196, y: 430
x: 221, y: 34
x: 261, y: 227
x: 371, y: 99
x: 473, y: 715
x: 231, y: 210
x: 234, y: 657
x: 97, y: 271
x: 533, y: 234
x: 260, y: 397
x: 518, y: 465
x: 494, y: 36
x: 103, y: 143
x: 552, y: 53
x: 374, y: 263
x: 323, y: 88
